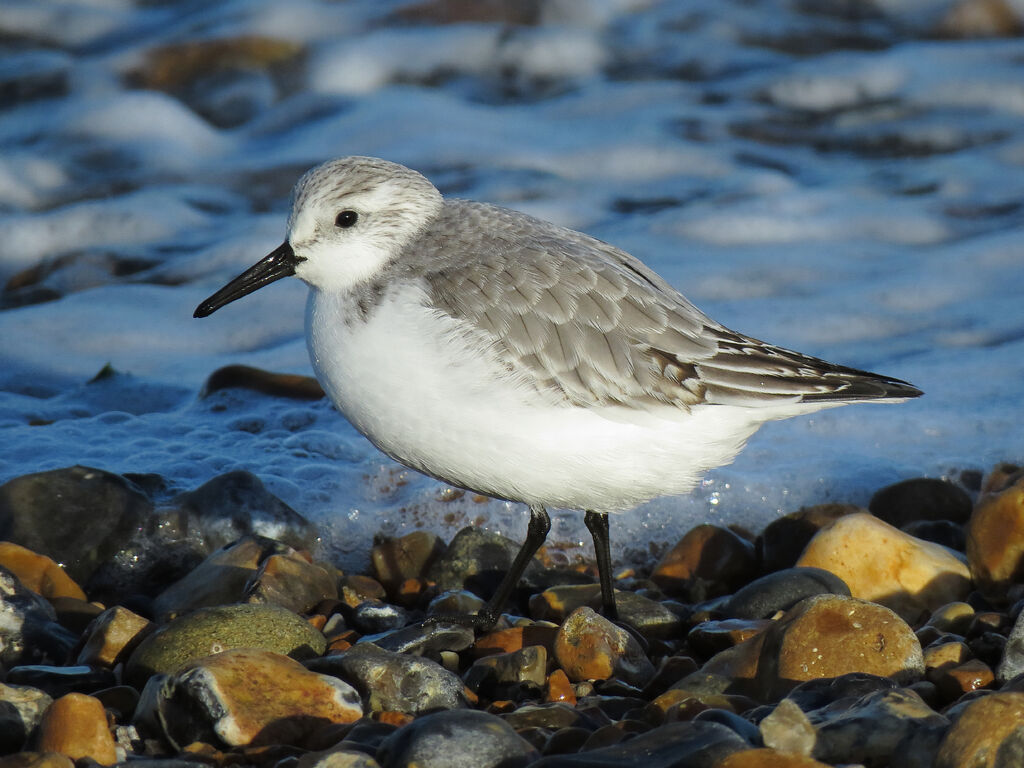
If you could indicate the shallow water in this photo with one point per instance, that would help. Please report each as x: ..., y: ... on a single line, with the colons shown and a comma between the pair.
x: 850, y: 187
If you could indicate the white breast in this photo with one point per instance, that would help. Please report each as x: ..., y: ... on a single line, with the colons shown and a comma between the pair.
x: 407, y: 380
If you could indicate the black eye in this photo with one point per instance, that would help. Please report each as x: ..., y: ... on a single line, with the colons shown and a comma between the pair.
x: 346, y: 219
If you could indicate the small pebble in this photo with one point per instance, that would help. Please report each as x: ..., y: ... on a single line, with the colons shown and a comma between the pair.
x: 589, y: 647
x: 76, y: 725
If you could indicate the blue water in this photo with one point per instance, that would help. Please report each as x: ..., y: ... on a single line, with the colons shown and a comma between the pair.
x: 852, y: 187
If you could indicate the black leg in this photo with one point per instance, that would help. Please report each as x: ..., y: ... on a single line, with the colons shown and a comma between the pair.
x: 597, y: 524
x: 537, y: 531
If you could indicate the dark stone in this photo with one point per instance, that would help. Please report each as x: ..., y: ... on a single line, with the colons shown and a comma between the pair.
x: 456, y: 739
x: 817, y: 693
x: 741, y: 726
x: 921, y: 498
x: 944, y: 532
x: 273, y: 384
x: 58, y: 681
x: 690, y: 744
x: 236, y: 504
x: 424, y: 638
x: 780, y: 591
x: 373, y: 617
x: 79, y: 516
x: 29, y: 632
x: 552, y: 715
x: 477, y: 560
x: 394, y: 682
x: 515, y: 675
x: 781, y: 543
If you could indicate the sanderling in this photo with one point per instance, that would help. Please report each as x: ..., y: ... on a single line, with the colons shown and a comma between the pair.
x: 522, y: 360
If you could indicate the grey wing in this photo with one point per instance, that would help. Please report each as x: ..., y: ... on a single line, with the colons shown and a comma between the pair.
x: 593, y: 325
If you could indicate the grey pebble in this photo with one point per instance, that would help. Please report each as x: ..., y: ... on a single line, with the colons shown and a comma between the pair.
x: 456, y: 739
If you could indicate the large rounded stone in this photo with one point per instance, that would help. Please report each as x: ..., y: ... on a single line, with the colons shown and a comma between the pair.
x: 29, y: 633
x: 456, y: 739
x: 477, y: 560
x: 589, y: 647
x: 995, y: 541
x: 221, y: 628
x: 248, y: 696
x: 829, y: 635
x: 986, y: 727
x: 885, y: 565
x: 79, y: 516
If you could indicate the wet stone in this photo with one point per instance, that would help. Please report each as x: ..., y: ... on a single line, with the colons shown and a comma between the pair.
x: 79, y: 516
x: 219, y: 579
x: 781, y: 543
x: 995, y: 541
x: 248, y: 696
x: 787, y: 728
x: 872, y: 729
x: 458, y: 602
x: 395, y: 682
x: 236, y: 504
x: 73, y: 614
x: 456, y: 739
x: 58, y: 681
x: 407, y: 557
x: 38, y: 572
x: 113, y: 636
x: 373, y: 617
x: 21, y: 709
x: 424, y: 638
x: 589, y: 647
x: 828, y: 635
x: 552, y: 716
x: 559, y: 689
x: 673, y: 744
x: 986, y: 727
x: 648, y: 617
x: 769, y: 758
x: 954, y: 681
x: 710, y: 637
x: 220, y: 628
x: 509, y: 675
x: 354, y: 588
x: 707, y: 562
x: 953, y: 617
x: 29, y: 632
x: 742, y: 727
x: 275, y: 384
x: 921, y: 498
x: 76, y: 725
x: 37, y: 760
x: 291, y: 581
x: 1012, y: 662
x: 944, y: 532
x: 515, y: 638
x: 337, y: 758
x: 882, y: 564
x: 477, y: 560
x: 848, y: 688
x: 780, y: 591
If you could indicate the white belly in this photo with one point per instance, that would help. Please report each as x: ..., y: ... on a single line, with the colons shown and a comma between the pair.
x: 406, y: 380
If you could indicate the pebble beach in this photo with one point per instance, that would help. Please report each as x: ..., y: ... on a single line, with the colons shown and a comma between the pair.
x: 203, y: 564
x: 838, y: 635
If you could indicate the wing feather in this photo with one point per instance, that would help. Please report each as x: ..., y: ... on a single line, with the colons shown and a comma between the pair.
x: 581, y: 320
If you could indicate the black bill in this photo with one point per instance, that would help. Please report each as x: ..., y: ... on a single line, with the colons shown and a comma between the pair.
x: 277, y: 264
